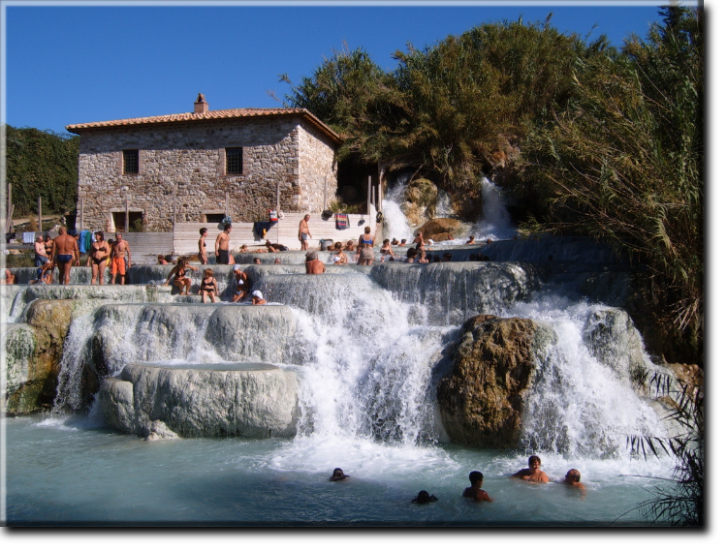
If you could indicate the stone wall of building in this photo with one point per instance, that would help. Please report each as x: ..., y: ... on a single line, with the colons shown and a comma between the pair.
x: 188, y: 162
x: 317, y: 168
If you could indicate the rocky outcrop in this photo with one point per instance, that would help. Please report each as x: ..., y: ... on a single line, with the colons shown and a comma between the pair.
x: 155, y: 401
x: 612, y: 338
x: 481, y: 399
x: 34, y: 352
x: 439, y: 229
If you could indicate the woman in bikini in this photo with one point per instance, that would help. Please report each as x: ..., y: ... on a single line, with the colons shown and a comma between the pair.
x: 365, y: 243
x: 386, y: 250
x: 98, y: 259
x: 339, y: 257
x: 203, y: 246
x: 208, y: 288
x: 179, y: 273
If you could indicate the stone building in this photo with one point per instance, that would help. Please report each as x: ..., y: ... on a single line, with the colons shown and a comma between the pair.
x: 202, y: 166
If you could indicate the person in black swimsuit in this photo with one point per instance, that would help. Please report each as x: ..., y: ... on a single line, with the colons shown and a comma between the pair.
x: 208, y: 287
x: 98, y: 259
x: 179, y: 273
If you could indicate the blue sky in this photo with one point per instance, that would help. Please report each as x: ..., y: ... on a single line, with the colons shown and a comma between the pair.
x: 67, y: 63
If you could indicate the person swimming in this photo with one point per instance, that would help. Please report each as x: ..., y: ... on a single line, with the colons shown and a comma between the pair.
x: 338, y: 475
x: 572, y: 478
x: 533, y: 473
x: 474, y: 491
x: 424, y: 497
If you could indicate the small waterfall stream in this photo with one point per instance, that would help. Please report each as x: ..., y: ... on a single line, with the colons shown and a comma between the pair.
x: 395, y: 223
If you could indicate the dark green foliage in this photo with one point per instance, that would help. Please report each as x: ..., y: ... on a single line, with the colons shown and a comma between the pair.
x: 680, y: 501
x: 42, y: 164
x: 624, y: 163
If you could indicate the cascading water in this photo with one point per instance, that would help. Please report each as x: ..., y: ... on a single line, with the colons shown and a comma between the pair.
x: 495, y: 223
x: 395, y: 223
x: 366, y: 350
x: 579, y: 405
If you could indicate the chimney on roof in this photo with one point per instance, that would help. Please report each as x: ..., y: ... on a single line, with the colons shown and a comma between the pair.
x: 201, y: 105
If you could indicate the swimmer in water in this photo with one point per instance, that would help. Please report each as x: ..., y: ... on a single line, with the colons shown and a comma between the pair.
x: 423, y: 498
x: 572, y: 478
x: 533, y: 473
x: 474, y: 491
x: 338, y: 475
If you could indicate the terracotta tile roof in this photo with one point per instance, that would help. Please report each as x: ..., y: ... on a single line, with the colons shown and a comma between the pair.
x: 210, y: 115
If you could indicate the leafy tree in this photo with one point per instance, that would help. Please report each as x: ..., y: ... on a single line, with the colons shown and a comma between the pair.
x: 624, y: 163
x: 42, y: 164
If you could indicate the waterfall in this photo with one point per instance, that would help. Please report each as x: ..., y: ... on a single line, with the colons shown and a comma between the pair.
x: 368, y: 370
x: 395, y: 223
x: 495, y: 223
x: 581, y: 406
x: 364, y: 347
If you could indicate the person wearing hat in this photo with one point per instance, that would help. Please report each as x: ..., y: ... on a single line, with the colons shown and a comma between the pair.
x: 257, y: 298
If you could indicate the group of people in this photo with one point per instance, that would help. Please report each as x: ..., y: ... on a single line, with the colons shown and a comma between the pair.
x: 221, y: 246
x: 208, y: 288
x: 63, y: 252
x: 532, y: 473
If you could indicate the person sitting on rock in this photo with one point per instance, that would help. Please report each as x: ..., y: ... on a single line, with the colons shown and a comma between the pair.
x: 423, y: 498
x: 338, y: 475
x: 313, y: 265
x: 474, y: 491
x: 533, y: 473
x: 208, y: 287
x: 242, y: 283
x: 257, y: 298
x: 340, y: 257
x: 9, y: 278
x: 386, y: 250
x: 179, y: 272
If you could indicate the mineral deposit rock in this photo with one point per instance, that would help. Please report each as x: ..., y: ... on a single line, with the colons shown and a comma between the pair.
x: 441, y: 227
x: 481, y: 398
x: 33, y: 355
x: 251, y: 400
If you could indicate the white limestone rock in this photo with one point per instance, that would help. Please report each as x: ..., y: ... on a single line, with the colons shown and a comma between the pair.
x: 249, y: 400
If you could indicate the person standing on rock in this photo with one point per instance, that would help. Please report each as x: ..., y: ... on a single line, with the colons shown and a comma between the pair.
x: 66, y: 252
x: 119, y: 251
x: 202, y: 246
x: 533, y: 473
x: 40, y: 255
x: 365, y: 244
x: 303, y: 233
x: 221, y: 245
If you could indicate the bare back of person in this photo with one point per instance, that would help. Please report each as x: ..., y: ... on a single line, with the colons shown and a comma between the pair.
x: 66, y: 251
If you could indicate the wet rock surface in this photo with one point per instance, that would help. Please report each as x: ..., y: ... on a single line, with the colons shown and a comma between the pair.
x: 227, y: 400
x: 492, y: 364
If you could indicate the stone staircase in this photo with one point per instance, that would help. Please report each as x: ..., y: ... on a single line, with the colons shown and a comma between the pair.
x: 284, y: 232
